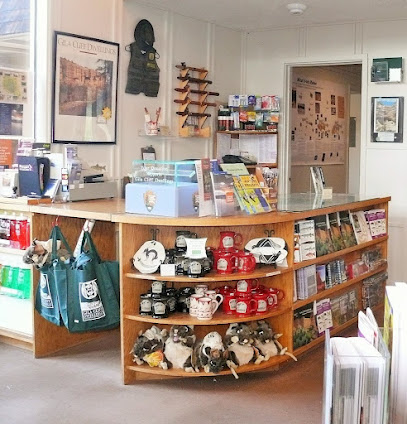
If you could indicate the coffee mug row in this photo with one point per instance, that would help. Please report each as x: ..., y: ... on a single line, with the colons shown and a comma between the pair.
x: 229, y: 240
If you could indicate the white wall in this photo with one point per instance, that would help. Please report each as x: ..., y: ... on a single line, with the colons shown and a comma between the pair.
x: 383, y: 166
x: 178, y: 38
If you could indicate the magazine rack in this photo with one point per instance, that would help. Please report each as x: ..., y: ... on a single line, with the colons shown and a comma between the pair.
x: 356, y: 384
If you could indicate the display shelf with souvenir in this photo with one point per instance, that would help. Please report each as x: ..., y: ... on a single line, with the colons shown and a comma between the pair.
x: 213, y: 275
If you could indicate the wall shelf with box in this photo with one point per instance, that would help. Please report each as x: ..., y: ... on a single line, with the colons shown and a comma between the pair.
x: 192, y: 120
x: 135, y: 230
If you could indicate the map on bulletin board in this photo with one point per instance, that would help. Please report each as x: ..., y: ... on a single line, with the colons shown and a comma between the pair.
x: 318, y: 125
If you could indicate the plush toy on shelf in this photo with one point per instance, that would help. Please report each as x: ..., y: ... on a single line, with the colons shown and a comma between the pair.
x: 210, y: 354
x: 179, y: 347
x: 149, y: 348
x: 240, y: 345
x: 266, y: 341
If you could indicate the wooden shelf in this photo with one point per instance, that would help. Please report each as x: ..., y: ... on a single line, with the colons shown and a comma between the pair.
x: 250, y: 132
x: 320, y: 339
x: 339, y: 253
x: 270, y: 165
x: 11, y: 251
x: 272, y: 362
x: 179, y: 318
x: 337, y: 288
x: 263, y: 272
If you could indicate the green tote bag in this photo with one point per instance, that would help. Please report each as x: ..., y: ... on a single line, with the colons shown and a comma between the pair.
x: 47, y: 303
x: 87, y: 289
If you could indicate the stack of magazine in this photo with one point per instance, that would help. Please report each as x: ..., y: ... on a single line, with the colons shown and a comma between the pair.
x: 356, y: 376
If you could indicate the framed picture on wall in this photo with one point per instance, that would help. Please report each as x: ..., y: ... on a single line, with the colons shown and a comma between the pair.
x: 84, y: 107
x: 387, y: 119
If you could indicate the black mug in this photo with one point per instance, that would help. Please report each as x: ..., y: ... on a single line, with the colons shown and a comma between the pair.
x: 145, y: 304
x: 180, y: 242
x: 160, y: 307
x: 183, y: 299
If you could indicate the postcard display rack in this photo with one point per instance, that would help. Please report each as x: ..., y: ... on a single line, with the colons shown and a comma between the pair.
x: 134, y: 230
x: 192, y: 121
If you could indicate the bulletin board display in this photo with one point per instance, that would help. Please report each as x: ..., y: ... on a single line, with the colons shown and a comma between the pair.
x: 319, y: 130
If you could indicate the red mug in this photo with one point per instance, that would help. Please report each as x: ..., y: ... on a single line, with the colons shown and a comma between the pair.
x: 247, y: 262
x: 245, y: 305
x: 274, y: 296
x: 229, y: 240
x: 229, y: 303
x: 224, y: 290
x: 261, y: 305
x: 246, y: 286
x: 225, y: 262
x: 259, y: 289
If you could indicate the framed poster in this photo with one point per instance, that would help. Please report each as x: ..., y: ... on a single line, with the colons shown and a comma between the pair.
x: 387, y: 119
x: 84, y: 107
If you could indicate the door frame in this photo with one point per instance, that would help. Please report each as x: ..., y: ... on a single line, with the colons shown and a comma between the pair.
x: 284, y: 159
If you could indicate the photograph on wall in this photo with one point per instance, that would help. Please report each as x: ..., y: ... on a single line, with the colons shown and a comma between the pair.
x: 11, y: 119
x: 387, y: 113
x: 85, y: 89
x: 13, y: 86
x: 341, y: 107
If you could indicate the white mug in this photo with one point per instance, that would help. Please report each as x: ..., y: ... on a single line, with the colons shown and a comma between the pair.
x: 201, y: 289
x: 214, y: 296
x: 193, y: 304
x: 206, y: 308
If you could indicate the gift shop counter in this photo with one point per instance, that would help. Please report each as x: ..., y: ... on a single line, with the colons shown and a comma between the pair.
x: 119, y: 235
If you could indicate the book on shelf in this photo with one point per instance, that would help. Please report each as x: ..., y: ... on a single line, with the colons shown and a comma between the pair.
x: 305, y: 234
x: 336, y: 235
x: 321, y: 277
x: 347, y: 231
x: 270, y: 177
x: 376, y: 219
x: 344, y: 307
x: 323, y: 241
x: 234, y: 168
x: 241, y: 196
x: 304, y: 326
x: 373, y: 290
x: 306, y: 282
x: 224, y: 194
x: 323, y: 315
x: 203, y: 175
x: 360, y: 227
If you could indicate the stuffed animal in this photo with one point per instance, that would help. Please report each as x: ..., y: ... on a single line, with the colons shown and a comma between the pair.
x: 149, y: 348
x: 179, y: 347
x: 267, y: 342
x: 240, y: 344
x: 210, y: 354
x: 39, y: 253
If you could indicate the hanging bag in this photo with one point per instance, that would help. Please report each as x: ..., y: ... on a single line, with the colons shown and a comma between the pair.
x: 87, y: 289
x: 47, y: 303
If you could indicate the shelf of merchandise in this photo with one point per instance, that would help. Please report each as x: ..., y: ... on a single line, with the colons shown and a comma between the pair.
x: 261, y: 272
x: 338, y: 288
x: 248, y: 132
x: 339, y: 253
x: 320, y: 339
x: 273, y: 362
x: 135, y: 230
x: 179, y: 318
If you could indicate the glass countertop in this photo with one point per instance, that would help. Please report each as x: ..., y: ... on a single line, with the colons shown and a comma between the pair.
x: 300, y: 202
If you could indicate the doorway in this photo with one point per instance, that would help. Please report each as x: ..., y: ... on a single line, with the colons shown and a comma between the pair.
x: 323, y: 125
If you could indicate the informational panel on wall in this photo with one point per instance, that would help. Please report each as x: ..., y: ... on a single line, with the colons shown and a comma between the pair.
x: 318, y: 124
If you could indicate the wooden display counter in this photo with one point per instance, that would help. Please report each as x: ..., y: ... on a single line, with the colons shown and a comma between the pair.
x: 119, y: 235
x: 134, y: 230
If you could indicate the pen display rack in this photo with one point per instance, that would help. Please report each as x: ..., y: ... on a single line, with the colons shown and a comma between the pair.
x: 193, y: 91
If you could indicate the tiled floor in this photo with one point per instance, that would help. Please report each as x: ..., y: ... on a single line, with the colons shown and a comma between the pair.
x: 83, y: 385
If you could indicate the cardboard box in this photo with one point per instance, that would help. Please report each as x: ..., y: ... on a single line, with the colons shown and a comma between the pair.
x: 161, y: 200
